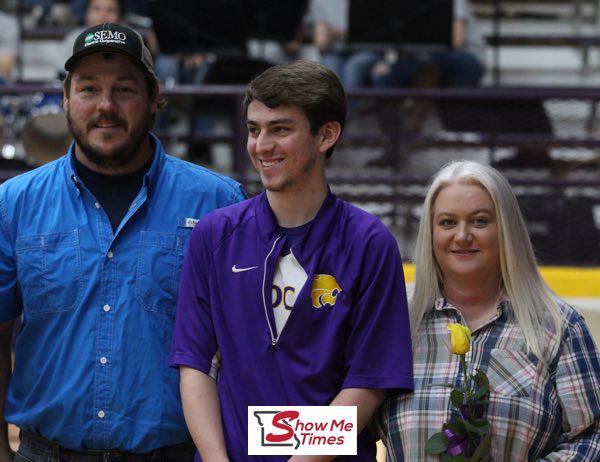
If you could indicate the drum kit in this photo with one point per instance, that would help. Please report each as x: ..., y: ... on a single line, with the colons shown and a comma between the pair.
x: 34, y: 128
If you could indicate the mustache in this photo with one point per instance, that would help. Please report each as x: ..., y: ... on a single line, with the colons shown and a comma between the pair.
x: 106, y: 120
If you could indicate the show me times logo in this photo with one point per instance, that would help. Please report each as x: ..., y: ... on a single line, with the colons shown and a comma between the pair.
x: 304, y: 430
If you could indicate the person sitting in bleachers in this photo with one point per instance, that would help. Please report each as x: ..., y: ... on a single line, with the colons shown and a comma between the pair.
x: 461, y: 66
x: 138, y: 7
x: 9, y: 38
x: 329, y: 19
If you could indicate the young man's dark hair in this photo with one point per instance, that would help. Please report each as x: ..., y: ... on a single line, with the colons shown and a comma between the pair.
x: 308, y: 85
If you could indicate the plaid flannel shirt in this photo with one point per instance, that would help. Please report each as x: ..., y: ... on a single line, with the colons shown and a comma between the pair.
x: 537, y: 411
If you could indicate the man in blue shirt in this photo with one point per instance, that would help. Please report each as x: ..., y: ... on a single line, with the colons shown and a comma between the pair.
x: 297, y: 295
x: 91, y: 248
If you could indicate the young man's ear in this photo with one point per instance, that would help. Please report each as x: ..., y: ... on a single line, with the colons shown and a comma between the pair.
x: 328, y: 135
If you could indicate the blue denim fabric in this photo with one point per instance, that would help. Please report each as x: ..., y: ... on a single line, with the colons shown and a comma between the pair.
x: 456, y: 69
x: 353, y: 68
x: 34, y: 451
x: 98, y: 306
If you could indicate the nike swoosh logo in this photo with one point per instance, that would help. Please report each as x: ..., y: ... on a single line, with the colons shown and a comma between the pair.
x: 235, y: 269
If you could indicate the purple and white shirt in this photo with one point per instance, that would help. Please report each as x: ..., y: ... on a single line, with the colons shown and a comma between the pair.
x: 348, y: 328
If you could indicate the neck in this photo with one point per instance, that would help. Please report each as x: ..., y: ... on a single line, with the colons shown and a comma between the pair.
x: 140, y: 158
x: 476, y: 300
x: 293, y: 209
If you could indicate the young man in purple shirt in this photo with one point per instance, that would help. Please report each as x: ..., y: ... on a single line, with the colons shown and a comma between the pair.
x: 293, y: 297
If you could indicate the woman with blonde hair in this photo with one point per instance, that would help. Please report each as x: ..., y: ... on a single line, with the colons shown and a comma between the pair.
x: 475, y: 266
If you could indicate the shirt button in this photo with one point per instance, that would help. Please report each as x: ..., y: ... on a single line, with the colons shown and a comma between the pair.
x: 101, y: 414
x: 109, y: 254
x: 97, y: 204
x: 106, y: 308
x: 103, y: 360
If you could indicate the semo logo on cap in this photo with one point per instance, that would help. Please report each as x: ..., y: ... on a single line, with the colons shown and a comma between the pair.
x: 105, y: 36
x: 116, y: 38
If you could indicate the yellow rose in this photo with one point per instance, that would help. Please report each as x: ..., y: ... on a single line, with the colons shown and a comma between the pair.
x: 460, y: 337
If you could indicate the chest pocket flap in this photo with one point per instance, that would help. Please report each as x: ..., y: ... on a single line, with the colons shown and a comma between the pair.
x: 159, y: 264
x: 49, y: 271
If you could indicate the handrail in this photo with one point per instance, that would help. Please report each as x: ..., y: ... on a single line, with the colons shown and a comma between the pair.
x: 543, y: 40
x: 497, y: 93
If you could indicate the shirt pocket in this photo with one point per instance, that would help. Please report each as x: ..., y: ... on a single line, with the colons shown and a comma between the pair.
x: 160, y: 258
x: 49, y: 272
x: 511, y: 373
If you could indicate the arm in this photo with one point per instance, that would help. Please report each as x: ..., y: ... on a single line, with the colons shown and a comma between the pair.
x: 202, y: 413
x: 461, y: 12
x: 9, y: 42
x: 195, y: 347
x: 459, y: 30
x: 10, y: 309
x: 7, y: 64
x: 325, y: 34
x: 5, y: 371
x: 322, y: 36
x: 366, y: 400
x: 578, y: 389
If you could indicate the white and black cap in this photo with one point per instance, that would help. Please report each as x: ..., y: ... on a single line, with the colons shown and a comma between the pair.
x: 115, y: 38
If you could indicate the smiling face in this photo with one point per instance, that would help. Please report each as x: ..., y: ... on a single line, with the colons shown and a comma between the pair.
x: 465, y: 234
x: 110, y: 112
x: 287, y: 156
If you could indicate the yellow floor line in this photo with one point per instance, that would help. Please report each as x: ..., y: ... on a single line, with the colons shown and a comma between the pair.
x: 566, y: 281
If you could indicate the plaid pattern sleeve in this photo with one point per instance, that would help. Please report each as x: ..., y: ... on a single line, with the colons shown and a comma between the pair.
x: 578, y: 388
x: 537, y: 411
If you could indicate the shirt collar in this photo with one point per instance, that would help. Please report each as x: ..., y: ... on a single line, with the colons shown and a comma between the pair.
x: 149, y: 178
x: 319, y: 231
x: 502, y: 310
x: 442, y: 304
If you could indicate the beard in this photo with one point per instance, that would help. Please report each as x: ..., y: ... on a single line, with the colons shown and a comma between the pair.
x: 120, y: 156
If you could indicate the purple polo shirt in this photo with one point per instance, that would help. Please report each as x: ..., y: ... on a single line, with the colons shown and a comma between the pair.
x: 362, y: 340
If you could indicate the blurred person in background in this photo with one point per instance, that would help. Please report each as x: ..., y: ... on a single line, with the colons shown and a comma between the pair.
x: 329, y: 19
x: 137, y: 7
x: 9, y: 41
x: 462, y: 66
x: 475, y: 266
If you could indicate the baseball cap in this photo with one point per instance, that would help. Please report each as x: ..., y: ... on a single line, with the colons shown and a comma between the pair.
x: 116, y: 38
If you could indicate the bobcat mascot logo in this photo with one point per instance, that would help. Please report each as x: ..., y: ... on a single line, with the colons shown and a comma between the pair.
x: 325, y: 290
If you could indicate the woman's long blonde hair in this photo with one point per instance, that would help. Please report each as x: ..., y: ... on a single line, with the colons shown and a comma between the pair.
x: 534, y: 305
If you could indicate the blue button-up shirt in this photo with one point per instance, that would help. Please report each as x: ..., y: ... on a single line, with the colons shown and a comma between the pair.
x: 98, y: 307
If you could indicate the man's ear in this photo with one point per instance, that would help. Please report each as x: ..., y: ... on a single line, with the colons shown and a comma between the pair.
x: 328, y: 135
x: 154, y: 97
x: 65, y: 102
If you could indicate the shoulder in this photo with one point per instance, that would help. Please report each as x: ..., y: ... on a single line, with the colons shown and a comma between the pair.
x: 36, y: 180
x: 574, y: 323
x: 364, y: 229
x: 574, y: 335
x: 220, y: 224
x: 200, y: 178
